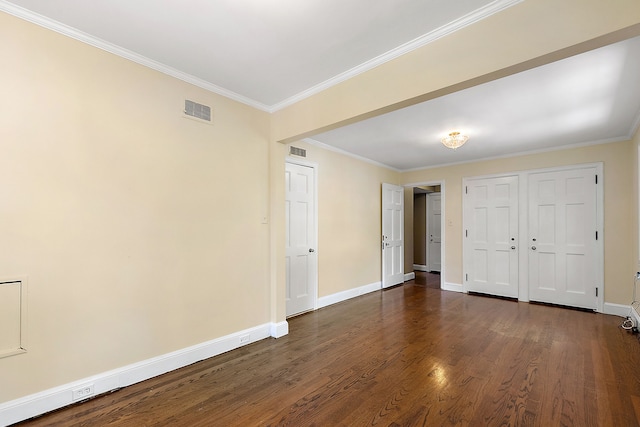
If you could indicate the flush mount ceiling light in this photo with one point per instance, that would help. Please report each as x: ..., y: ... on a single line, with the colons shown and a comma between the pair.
x: 454, y: 140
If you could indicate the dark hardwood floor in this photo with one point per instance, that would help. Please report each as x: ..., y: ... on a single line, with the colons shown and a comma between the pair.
x: 406, y: 356
x: 430, y: 280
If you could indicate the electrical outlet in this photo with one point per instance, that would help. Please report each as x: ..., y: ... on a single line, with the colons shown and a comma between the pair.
x: 245, y: 339
x: 83, y: 392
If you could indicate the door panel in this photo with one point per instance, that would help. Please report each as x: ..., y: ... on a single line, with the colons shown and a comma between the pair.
x: 491, y: 235
x: 301, y: 258
x: 434, y: 228
x: 392, y: 235
x: 562, y: 240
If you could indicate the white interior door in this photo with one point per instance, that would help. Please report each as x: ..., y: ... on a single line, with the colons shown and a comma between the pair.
x: 434, y: 227
x: 491, y: 236
x: 562, y: 237
x: 301, y: 257
x: 392, y: 235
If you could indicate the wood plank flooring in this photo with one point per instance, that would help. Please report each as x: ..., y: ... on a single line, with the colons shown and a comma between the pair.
x: 406, y: 356
x: 430, y: 280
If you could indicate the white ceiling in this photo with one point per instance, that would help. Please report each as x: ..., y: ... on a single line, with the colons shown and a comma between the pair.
x: 272, y: 54
x: 589, y: 98
x: 264, y: 51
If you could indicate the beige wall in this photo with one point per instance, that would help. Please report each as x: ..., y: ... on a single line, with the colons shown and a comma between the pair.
x: 277, y: 271
x: 139, y: 230
x: 349, y: 219
x: 635, y: 219
x: 618, y: 205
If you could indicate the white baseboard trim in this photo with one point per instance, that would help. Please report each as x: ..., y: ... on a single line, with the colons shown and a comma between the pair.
x: 345, y: 295
x: 454, y: 287
x: 616, y: 309
x: 40, y: 403
x: 279, y: 329
x: 622, y: 311
x: 409, y: 276
x: 420, y: 267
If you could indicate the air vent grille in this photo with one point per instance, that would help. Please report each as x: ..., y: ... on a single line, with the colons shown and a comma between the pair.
x: 199, y: 111
x: 295, y: 151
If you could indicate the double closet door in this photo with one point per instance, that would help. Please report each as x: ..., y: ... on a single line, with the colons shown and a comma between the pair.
x: 534, y: 236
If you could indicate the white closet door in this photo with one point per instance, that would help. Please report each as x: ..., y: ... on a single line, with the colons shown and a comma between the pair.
x: 562, y: 237
x: 301, y: 257
x: 491, y: 236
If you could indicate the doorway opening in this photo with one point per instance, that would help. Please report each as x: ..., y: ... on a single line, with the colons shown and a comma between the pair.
x: 428, y: 233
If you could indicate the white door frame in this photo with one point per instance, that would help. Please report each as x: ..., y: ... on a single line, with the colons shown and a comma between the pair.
x: 313, y: 166
x: 443, y: 282
x: 523, y: 243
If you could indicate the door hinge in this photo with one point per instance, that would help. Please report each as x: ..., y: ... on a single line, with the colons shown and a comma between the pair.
x: 466, y: 277
x: 466, y: 190
x: 466, y: 233
x: 596, y: 291
x: 596, y: 179
x: 596, y: 235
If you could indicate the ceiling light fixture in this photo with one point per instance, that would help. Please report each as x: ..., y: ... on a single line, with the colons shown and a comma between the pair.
x: 454, y: 140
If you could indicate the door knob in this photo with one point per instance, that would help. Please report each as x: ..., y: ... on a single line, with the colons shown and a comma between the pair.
x: 312, y: 250
x: 513, y: 247
x: 533, y: 247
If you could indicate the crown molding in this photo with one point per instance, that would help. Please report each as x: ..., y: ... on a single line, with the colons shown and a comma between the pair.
x: 328, y: 147
x: 522, y: 153
x: 451, y: 27
x: 475, y: 16
x: 83, y: 37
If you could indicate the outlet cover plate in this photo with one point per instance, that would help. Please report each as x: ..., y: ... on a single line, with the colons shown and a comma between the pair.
x: 83, y: 392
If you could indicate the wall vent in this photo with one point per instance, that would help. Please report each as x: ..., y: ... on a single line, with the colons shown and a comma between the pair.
x: 295, y: 151
x: 199, y: 111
